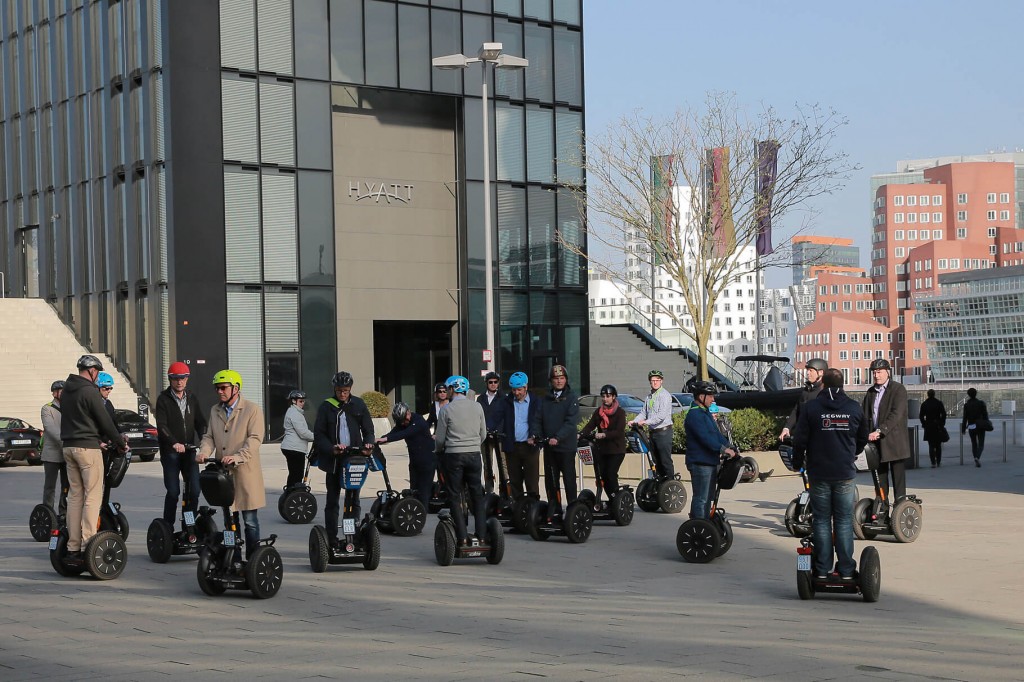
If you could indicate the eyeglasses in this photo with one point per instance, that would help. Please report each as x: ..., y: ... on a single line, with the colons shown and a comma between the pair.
x: 492, y: 381
x: 223, y: 387
x: 106, y: 388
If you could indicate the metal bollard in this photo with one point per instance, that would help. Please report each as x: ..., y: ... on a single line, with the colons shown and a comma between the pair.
x: 961, y: 449
x: 1004, y: 442
x: 1014, y: 418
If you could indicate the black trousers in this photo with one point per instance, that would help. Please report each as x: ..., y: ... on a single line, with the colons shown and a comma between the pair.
x: 51, y: 470
x: 935, y: 451
x: 459, y: 468
x: 332, y: 505
x: 421, y: 480
x: 899, y: 479
x: 977, y: 442
x: 524, y: 469
x: 296, y: 466
x: 559, y: 464
x: 609, y: 464
x: 661, y: 448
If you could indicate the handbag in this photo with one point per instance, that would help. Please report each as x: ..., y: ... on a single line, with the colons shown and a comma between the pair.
x: 944, y: 435
x: 985, y: 424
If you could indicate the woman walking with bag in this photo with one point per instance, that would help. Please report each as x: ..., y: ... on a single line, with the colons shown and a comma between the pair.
x: 975, y: 423
x: 933, y: 419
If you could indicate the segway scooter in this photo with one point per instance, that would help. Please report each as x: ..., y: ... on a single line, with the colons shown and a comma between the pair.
x: 751, y: 469
x: 44, y: 518
x: 297, y: 504
x: 655, y: 492
x: 620, y: 505
x: 545, y: 518
x: 221, y: 566
x: 360, y: 540
x: 701, y: 540
x: 105, y: 555
x: 503, y: 505
x: 798, y: 513
x: 873, y: 517
x: 867, y: 581
x: 196, y: 528
x: 396, y: 512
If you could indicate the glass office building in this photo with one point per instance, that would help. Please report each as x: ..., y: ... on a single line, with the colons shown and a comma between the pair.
x: 287, y: 187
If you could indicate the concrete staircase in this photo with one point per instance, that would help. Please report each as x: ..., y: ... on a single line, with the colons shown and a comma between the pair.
x: 620, y: 357
x: 36, y: 349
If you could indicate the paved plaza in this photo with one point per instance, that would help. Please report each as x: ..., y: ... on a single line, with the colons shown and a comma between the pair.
x: 623, y: 605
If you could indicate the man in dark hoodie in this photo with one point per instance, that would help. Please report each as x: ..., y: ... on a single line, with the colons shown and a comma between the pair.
x: 555, y: 422
x: 831, y: 431
x: 84, y: 423
x: 815, y: 370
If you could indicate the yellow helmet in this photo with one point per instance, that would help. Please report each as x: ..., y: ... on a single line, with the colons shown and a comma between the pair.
x: 228, y: 376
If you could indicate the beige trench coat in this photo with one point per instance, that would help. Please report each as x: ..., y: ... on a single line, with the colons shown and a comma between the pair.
x: 241, y: 436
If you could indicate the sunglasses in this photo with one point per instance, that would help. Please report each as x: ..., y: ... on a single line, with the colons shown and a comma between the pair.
x: 106, y: 388
x: 492, y: 381
x: 225, y: 387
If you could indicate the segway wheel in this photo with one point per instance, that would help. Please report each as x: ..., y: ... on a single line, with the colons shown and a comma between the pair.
x: 408, y: 517
x: 861, y: 513
x: 671, y: 496
x: 492, y: 502
x: 791, y: 511
x: 41, y: 522
x: 264, y: 572
x: 869, y: 578
x: 698, y: 541
x: 280, y: 503
x: 122, y: 526
x: 519, y: 510
x: 906, y: 520
x: 371, y: 544
x: 588, y: 498
x: 805, y: 584
x: 444, y: 543
x: 299, y: 507
x: 160, y: 541
x: 57, y: 557
x: 319, y: 549
x: 206, y: 566
x: 106, y: 555
x: 206, y: 528
x: 647, y: 495
x: 623, y: 508
x: 578, y: 522
x: 750, y: 470
x: 725, y: 529
x: 438, y: 500
x: 496, y: 539
x: 383, y: 524
x: 536, y: 515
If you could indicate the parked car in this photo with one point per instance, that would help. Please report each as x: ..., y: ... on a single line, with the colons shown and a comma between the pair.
x: 140, y: 433
x: 19, y: 441
x: 630, y: 403
x: 686, y: 400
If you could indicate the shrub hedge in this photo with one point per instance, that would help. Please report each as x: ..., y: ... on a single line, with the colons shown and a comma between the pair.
x: 377, y: 404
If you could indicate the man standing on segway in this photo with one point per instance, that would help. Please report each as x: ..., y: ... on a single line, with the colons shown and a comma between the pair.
x: 815, y: 370
x: 556, y: 421
x: 885, y: 404
x: 461, y: 428
x: 84, y: 424
x: 53, y: 451
x: 518, y: 410
x: 705, y: 445
x: 830, y: 432
x: 341, y: 422
x: 179, y: 419
x: 656, y: 414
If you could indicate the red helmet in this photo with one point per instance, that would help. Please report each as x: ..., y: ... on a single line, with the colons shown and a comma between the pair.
x: 177, y: 369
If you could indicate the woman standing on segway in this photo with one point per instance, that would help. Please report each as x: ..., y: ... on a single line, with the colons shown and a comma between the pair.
x: 297, y: 438
x: 704, y: 446
x: 609, y: 422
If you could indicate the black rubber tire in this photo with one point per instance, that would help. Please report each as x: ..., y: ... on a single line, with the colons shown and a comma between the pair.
x: 861, y: 510
x: 57, y: 558
x: 805, y: 585
x: 698, y: 541
x: 588, y: 498
x: 790, y: 518
x: 519, y: 510
x: 280, y: 503
x: 206, y: 527
x: 869, y: 577
x: 34, y: 461
x: 319, y: 549
x: 160, y: 541
x: 444, y: 543
x: 438, y: 500
x: 647, y: 495
x: 147, y: 458
x: 536, y: 514
x: 408, y: 517
x: 492, y: 502
x: 264, y: 571
x: 496, y: 540
x: 623, y: 508
x: 725, y: 528
x: 671, y: 496
x: 750, y: 470
x: 383, y: 520
x: 371, y: 544
x: 41, y: 522
x: 577, y: 523
x: 207, y: 563
x: 299, y: 507
x: 122, y: 526
x: 906, y: 520
x: 106, y: 555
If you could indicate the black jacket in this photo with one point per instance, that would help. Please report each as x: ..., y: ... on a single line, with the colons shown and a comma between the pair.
x: 325, y: 430
x: 417, y: 439
x: 809, y: 393
x: 493, y: 411
x: 830, y: 432
x: 933, y: 418
x: 557, y: 418
x: 171, y: 427
x: 84, y: 419
x: 974, y: 410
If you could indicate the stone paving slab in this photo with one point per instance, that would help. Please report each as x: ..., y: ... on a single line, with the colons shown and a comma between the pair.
x: 623, y: 605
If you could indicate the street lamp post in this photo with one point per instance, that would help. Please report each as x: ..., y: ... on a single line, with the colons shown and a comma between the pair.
x: 962, y: 372
x: 489, y: 54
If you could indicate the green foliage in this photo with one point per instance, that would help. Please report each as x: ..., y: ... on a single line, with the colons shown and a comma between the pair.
x: 377, y: 404
x: 679, y: 432
x: 753, y: 430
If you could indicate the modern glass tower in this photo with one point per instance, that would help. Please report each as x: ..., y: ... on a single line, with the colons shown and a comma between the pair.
x: 287, y: 187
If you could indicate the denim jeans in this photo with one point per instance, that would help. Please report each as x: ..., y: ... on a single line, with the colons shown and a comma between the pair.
x: 252, y: 531
x: 702, y: 479
x: 832, y: 504
x: 183, y: 466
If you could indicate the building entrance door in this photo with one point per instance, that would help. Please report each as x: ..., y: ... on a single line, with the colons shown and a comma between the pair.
x: 409, y: 358
x: 28, y: 244
x: 282, y: 379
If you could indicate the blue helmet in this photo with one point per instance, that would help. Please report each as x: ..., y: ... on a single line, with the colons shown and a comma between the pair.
x: 458, y: 384
x: 104, y: 380
x: 518, y: 380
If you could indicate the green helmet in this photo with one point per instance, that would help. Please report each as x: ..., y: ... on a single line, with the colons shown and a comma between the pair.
x: 228, y: 376
x: 655, y: 373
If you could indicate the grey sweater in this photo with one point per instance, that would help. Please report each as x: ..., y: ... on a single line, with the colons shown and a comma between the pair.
x: 461, y: 427
x: 297, y: 435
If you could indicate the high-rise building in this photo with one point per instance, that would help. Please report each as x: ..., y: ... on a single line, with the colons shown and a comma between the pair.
x: 287, y: 187
x: 810, y: 251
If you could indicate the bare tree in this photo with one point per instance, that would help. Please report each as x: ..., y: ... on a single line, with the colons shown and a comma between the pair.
x: 631, y: 209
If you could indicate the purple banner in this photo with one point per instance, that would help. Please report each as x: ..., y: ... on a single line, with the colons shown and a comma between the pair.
x: 767, y: 165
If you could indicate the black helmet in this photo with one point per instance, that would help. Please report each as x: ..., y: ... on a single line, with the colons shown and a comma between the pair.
x: 816, y: 363
x: 297, y: 395
x: 399, y: 411
x: 57, y: 386
x: 608, y: 389
x: 491, y: 376
x: 440, y: 387
x: 880, y: 363
x: 89, y: 362
x: 704, y: 388
x: 342, y: 380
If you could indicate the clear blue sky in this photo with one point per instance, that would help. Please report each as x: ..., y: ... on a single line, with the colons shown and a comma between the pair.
x: 916, y: 79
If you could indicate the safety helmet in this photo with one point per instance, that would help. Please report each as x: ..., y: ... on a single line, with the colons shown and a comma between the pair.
x: 440, y: 387
x: 816, y: 363
x: 399, y: 412
x: 458, y: 384
x: 342, y: 380
x: 713, y: 408
x: 491, y: 376
x: 57, y: 386
x: 558, y: 371
x: 104, y: 380
x: 177, y: 370
x: 655, y: 373
x: 296, y: 395
x: 227, y: 376
x: 880, y: 363
x: 704, y: 388
x: 608, y: 389
x: 89, y: 362
x: 518, y: 380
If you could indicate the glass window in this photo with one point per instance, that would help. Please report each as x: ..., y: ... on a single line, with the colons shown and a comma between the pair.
x: 475, y: 234
x: 474, y: 132
x: 381, y: 43
x: 238, y: 105
x: 482, y: 6
x: 277, y: 122
x: 511, y: 204
x: 509, y: 82
x: 512, y: 8
x: 568, y: 66
x: 537, y: 9
x: 446, y: 38
x: 539, y: 79
x: 347, y: 41
x: 414, y: 56
x: 242, y: 226
x: 317, y: 318
x: 450, y: 4
x: 568, y: 146
x: 509, y: 147
x: 237, y: 34
x: 316, y: 228
x: 274, y: 33
x: 567, y: 11
x: 313, y: 124
x: 541, y: 216
x: 476, y: 30
x: 570, y: 230
x: 312, y: 40
x: 540, y: 145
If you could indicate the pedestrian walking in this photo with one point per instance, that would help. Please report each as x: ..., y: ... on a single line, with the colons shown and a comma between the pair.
x: 933, y: 419
x: 975, y: 423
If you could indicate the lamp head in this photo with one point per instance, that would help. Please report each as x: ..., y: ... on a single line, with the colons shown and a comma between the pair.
x: 489, y: 51
x: 453, y: 61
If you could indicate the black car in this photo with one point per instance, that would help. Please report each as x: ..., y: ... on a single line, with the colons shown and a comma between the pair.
x: 140, y: 433
x: 19, y: 441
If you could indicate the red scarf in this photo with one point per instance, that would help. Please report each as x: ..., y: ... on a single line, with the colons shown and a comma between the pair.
x: 607, y: 412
